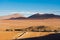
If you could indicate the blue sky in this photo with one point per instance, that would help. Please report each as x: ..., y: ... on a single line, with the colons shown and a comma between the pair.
x: 29, y: 7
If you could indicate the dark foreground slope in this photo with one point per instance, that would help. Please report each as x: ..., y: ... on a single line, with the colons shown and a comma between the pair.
x: 47, y: 37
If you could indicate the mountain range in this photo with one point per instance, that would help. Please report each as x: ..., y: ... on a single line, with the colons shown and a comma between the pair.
x: 34, y: 16
x: 44, y: 16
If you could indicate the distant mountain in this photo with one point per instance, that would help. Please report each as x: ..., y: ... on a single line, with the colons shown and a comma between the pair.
x: 17, y: 16
x: 43, y: 16
x: 13, y: 16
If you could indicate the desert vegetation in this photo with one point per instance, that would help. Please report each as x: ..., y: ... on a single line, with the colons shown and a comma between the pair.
x: 35, y: 29
x: 9, y: 30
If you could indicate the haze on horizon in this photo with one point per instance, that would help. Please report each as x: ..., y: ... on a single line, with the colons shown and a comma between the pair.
x: 29, y: 7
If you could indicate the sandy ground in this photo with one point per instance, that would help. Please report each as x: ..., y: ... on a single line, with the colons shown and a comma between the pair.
x: 12, y: 24
x: 7, y: 35
x: 12, y: 35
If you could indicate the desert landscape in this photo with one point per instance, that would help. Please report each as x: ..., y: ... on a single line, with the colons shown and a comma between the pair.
x: 29, y: 19
x: 19, y: 29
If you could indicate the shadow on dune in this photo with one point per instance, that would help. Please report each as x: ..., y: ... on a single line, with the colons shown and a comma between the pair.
x: 47, y: 37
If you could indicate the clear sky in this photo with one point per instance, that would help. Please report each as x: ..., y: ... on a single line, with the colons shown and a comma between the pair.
x: 29, y: 7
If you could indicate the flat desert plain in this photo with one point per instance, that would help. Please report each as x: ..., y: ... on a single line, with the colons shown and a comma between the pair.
x: 12, y: 24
